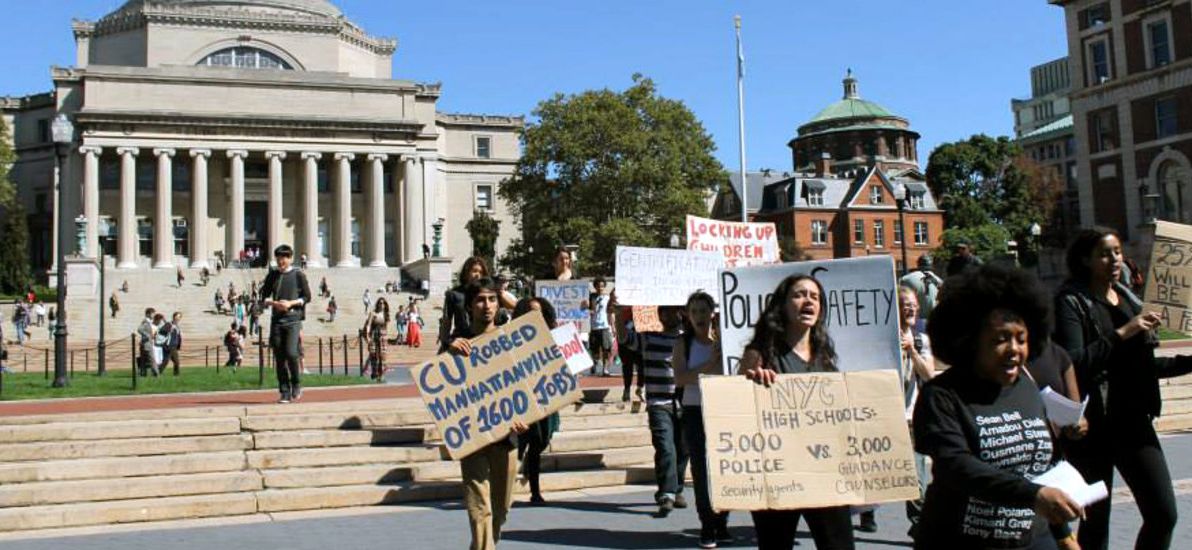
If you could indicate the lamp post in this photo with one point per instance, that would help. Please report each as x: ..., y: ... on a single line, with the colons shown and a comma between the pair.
x: 63, y: 133
x: 900, y: 199
x: 438, y: 227
x: 102, y: 365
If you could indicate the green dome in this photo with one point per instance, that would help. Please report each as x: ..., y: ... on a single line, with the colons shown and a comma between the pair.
x: 851, y: 108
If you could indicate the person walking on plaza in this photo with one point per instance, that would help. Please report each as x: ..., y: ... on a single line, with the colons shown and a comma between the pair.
x: 287, y: 292
x: 374, y: 338
x: 173, y: 343
x: 114, y: 305
x: 50, y: 327
x: 413, y: 327
x: 663, y: 412
x: 983, y: 423
x: 20, y: 320
x: 926, y: 285
x: 235, y: 346
x: 160, y: 339
x: 324, y: 290
x: 536, y: 440
x: 696, y: 353
x: 1112, y: 344
x: 39, y: 313
x: 205, y: 275
x: 791, y: 337
x: 367, y: 299
x: 180, y: 277
x: 332, y: 309
x: 399, y: 325
x: 146, y: 333
x: 600, y: 338
x: 124, y: 286
x: 240, y: 310
x: 489, y: 474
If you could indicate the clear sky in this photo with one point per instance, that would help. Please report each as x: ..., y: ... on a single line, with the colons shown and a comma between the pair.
x: 949, y: 67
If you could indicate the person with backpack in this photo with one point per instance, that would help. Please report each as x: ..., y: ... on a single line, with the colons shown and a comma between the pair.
x: 20, y: 317
x: 235, y: 345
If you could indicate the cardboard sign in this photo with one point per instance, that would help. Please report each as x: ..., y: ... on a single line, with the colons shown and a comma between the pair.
x: 664, y: 276
x: 742, y: 244
x: 568, y: 297
x: 573, y: 348
x: 515, y: 372
x: 860, y: 303
x: 807, y: 441
x: 1169, y: 279
x: 645, y: 319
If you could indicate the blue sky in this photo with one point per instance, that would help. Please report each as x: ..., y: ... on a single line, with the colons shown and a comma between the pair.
x: 950, y: 67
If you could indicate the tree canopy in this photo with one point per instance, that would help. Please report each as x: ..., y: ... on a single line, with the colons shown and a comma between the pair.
x: 484, y: 230
x: 14, y: 247
x: 602, y: 168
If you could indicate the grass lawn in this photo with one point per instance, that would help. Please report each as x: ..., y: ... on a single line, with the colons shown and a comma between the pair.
x: 33, y: 385
x: 1167, y: 334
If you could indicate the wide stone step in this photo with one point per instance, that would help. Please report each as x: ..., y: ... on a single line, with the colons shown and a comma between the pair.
x: 330, y: 476
x: 123, y: 447
x: 588, y: 440
x: 334, y: 420
x: 1177, y: 406
x: 127, y: 511
x: 62, y: 492
x: 336, y: 438
x: 1174, y: 422
x: 551, y: 462
x: 124, y: 429
x: 104, y: 468
x: 110, y: 416
x: 332, y: 456
x: 1173, y: 391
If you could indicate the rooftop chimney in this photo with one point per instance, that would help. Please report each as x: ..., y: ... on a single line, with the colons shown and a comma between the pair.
x: 823, y: 166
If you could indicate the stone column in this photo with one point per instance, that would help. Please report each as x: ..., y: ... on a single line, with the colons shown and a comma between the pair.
x: 343, y: 210
x: 91, y: 198
x: 310, y: 209
x: 398, y: 210
x: 412, y: 194
x: 235, y: 236
x: 127, y: 244
x: 163, y: 226
x: 275, y: 158
x: 198, y: 204
x: 376, y: 217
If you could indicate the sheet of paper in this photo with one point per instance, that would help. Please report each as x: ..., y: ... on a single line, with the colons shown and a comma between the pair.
x: 1063, y: 476
x: 1060, y: 409
x: 572, y: 346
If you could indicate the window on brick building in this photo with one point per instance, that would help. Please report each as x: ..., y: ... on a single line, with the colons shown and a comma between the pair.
x: 484, y: 197
x: 815, y: 197
x: 1097, y: 59
x: 483, y: 147
x: 875, y: 195
x: 819, y: 232
x: 858, y: 231
x: 1104, y: 127
x: 879, y: 233
x: 897, y: 231
x: 1096, y: 15
x: 921, y: 233
x: 1158, y: 43
x: 1166, y: 123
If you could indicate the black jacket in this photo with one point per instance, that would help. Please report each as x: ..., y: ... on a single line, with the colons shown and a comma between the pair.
x: 1120, y: 376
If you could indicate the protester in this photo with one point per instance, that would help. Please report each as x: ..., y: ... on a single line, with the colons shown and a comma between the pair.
x: 286, y: 291
x: 114, y: 305
x: 489, y: 473
x: 663, y: 411
x: 698, y: 353
x: 234, y: 343
x: 963, y: 259
x: 562, y: 264
x: 173, y: 343
x: 413, y: 326
x: 983, y: 327
x: 1110, y: 340
x: 791, y: 336
x: 630, y: 357
x: 534, y: 442
x: 455, y: 311
x: 600, y: 338
x: 146, y: 332
x: 918, y: 368
x: 926, y: 285
x: 374, y: 338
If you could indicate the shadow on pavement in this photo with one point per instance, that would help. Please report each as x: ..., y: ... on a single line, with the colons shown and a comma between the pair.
x: 602, y: 538
x: 644, y: 509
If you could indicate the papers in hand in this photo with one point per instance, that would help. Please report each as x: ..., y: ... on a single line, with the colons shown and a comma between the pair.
x: 1065, y: 478
x: 1060, y: 409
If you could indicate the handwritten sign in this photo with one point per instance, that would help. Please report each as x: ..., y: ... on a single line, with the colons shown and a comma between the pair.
x: 664, y: 276
x: 645, y: 319
x: 807, y: 441
x: 573, y: 349
x: 741, y: 243
x: 860, y: 303
x: 1169, y: 279
x: 567, y: 297
x: 515, y: 372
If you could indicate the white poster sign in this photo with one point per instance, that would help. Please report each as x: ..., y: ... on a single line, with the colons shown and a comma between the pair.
x: 664, y: 276
x: 572, y: 346
x: 752, y: 243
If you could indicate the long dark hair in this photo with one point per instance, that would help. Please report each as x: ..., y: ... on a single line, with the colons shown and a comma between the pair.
x: 548, y: 311
x: 1083, y: 245
x: 769, y: 334
x: 382, y: 307
x: 468, y: 263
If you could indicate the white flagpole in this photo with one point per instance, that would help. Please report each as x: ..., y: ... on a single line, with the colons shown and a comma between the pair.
x: 741, y: 119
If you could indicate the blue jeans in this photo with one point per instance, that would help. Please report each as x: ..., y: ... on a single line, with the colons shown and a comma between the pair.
x: 696, y: 440
x: 670, y: 455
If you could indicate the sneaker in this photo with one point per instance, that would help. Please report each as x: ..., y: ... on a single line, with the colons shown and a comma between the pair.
x: 665, y: 506
x: 680, y: 502
x: 707, y: 537
x: 297, y: 393
x: 285, y: 398
x: 625, y: 395
x: 537, y: 499
x: 868, y: 522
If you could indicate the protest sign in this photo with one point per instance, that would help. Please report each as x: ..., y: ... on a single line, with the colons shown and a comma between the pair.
x: 575, y: 353
x: 664, y: 276
x: 807, y: 441
x: 741, y: 243
x: 645, y: 319
x: 515, y: 372
x: 860, y: 304
x: 568, y: 298
x: 1169, y: 279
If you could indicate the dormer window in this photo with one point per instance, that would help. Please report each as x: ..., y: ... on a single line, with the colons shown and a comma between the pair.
x: 244, y: 57
x: 815, y: 197
x: 875, y: 195
x: 916, y: 200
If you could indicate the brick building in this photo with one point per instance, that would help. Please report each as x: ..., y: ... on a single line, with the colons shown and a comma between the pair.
x: 1131, y: 98
x: 1043, y: 127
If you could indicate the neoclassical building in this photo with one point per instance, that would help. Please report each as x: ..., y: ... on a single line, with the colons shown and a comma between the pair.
x: 209, y: 127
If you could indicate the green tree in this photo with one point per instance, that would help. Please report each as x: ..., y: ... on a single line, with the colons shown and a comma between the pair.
x: 484, y: 230
x: 988, y: 241
x: 602, y: 168
x: 985, y: 180
x: 789, y: 250
x: 14, y: 247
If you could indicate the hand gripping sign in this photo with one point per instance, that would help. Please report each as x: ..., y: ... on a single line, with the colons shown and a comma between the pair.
x: 515, y: 372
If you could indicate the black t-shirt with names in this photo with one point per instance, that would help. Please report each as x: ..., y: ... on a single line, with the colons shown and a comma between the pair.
x: 986, y: 442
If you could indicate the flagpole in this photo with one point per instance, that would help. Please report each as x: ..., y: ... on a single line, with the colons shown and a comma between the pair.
x: 741, y: 119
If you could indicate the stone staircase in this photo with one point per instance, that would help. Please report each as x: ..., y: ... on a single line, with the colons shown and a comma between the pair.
x: 138, y: 466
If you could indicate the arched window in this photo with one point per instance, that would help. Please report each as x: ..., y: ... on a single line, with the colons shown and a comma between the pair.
x: 244, y: 57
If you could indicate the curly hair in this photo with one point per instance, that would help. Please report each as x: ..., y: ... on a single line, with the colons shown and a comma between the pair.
x: 770, y: 331
x: 968, y: 299
x: 548, y: 311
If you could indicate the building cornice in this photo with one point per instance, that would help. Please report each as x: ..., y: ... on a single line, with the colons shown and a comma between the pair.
x: 33, y: 101
x: 247, y: 120
x: 493, y: 121
x: 1164, y: 73
x: 223, y: 76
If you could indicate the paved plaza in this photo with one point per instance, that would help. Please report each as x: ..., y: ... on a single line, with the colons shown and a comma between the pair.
x: 618, y: 518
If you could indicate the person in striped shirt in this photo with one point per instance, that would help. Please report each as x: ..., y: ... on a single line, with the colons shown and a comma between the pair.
x: 664, y: 411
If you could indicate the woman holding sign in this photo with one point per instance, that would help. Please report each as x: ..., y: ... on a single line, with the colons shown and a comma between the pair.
x: 1101, y: 324
x: 531, y: 446
x: 983, y: 424
x: 792, y: 337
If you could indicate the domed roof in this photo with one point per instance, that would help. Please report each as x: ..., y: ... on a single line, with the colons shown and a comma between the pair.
x: 852, y: 106
x: 313, y: 7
